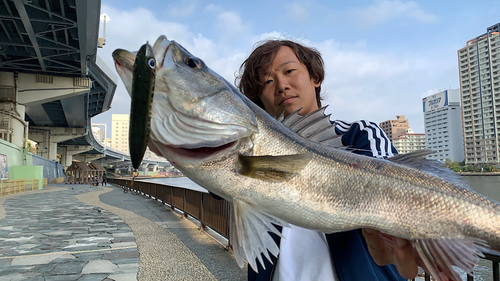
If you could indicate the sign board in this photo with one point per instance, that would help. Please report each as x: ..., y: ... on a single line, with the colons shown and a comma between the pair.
x: 4, y: 170
x: 435, y: 101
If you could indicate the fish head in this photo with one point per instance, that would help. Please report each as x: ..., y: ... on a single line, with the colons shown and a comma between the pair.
x: 196, y: 115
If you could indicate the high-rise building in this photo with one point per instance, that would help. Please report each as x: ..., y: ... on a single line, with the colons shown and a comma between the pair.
x: 443, y: 126
x: 409, y: 142
x: 395, y: 128
x: 119, y: 132
x: 479, y: 67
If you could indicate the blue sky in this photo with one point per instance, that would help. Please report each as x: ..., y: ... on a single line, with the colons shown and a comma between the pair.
x: 381, y: 57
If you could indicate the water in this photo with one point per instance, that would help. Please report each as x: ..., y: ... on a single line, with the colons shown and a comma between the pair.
x: 489, y: 186
x: 177, y: 182
x: 486, y: 185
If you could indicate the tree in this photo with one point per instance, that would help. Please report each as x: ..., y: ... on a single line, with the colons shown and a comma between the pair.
x: 487, y: 168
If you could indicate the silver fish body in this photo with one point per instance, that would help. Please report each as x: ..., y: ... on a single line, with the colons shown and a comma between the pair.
x: 225, y: 143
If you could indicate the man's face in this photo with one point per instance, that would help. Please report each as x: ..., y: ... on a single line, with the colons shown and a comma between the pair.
x: 288, y: 85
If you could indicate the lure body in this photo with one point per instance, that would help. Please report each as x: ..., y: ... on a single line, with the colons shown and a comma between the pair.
x: 143, y: 82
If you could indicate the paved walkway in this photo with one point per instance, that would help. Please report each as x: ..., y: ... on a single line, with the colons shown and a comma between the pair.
x: 74, y: 232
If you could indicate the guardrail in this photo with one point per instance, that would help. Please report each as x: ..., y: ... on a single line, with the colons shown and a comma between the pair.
x: 215, y: 213
x: 201, y: 206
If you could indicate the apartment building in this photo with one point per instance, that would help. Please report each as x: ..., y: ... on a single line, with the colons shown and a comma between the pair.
x: 443, y: 126
x: 479, y: 70
x: 395, y: 128
x: 409, y: 142
x: 119, y: 132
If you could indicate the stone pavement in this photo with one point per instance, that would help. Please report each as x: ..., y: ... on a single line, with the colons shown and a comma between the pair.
x: 74, y: 232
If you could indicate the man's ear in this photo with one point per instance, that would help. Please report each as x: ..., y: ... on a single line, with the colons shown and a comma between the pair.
x: 316, y: 83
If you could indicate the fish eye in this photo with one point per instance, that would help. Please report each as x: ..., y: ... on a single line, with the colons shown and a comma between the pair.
x: 193, y: 63
x: 152, y: 63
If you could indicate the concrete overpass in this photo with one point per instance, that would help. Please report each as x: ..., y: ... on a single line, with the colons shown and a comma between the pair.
x: 51, y: 80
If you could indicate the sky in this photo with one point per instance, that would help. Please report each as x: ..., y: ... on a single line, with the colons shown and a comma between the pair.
x: 381, y: 57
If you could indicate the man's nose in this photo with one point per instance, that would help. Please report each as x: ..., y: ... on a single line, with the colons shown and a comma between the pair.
x: 283, y: 85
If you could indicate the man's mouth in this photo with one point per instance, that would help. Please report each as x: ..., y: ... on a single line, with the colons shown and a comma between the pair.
x: 284, y: 101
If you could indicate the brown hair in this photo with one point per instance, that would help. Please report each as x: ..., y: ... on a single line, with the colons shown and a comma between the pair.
x: 261, y: 58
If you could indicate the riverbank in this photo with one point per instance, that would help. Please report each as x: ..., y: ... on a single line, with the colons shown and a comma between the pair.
x: 480, y: 174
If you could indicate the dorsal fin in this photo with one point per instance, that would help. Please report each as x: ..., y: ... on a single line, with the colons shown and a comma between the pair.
x: 417, y: 160
x: 315, y: 126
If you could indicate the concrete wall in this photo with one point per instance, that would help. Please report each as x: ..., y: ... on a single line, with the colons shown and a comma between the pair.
x: 27, y: 173
x: 22, y: 164
x: 51, y: 169
x: 15, y: 155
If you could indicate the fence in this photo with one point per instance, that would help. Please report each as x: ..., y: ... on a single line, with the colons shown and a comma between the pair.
x: 215, y: 213
x: 8, y: 187
x: 202, y: 206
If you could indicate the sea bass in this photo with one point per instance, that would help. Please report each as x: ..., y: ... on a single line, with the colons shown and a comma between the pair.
x: 221, y: 140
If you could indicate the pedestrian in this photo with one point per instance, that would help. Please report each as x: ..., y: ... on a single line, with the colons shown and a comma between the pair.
x: 282, y: 76
x: 105, y: 179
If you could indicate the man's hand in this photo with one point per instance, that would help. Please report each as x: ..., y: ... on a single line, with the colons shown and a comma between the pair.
x: 386, y: 249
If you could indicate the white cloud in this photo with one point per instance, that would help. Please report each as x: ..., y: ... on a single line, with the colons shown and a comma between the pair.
x: 297, y: 12
x: 230, y: 26
x: 214, y: 8
x: 385, y: 10
x: 362, y: 84
x: 184, y: 9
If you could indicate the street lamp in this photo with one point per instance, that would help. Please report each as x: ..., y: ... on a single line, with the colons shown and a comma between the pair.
x: 102, y: 41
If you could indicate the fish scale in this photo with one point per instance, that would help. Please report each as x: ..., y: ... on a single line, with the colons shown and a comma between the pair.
x: 273, y: 175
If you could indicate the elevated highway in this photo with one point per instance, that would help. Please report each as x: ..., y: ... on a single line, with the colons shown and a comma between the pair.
x: 51, y: 80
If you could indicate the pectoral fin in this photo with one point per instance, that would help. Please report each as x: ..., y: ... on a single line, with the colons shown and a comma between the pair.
x: 249, y: 234
x: 273, y: 168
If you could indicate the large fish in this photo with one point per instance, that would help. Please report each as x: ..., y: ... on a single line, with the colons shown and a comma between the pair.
x: 219, y: 139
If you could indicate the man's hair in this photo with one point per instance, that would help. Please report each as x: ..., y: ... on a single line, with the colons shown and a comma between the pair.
x: 249, y: 78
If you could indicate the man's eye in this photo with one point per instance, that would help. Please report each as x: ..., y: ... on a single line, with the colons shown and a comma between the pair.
x: 268, y: 82
x: 290, y: 71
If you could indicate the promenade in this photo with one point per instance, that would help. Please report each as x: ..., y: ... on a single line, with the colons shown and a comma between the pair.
x: 78, y: 232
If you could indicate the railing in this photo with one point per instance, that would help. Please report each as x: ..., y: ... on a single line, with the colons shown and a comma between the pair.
x: 495, y: 268
x: 199, y: 205
x: 215, y: 213
x: 8, y: 187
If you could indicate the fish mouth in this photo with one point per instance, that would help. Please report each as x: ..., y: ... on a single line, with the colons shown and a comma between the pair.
x: 203, y: 152
x: 192, y: 154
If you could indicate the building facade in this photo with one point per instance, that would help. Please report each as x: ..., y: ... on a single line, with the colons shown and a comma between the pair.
x: 99, y: 132
x: 409, y: 142
x: 479, y: 70
x: 443, y: 126
x: 395, y: 128
x: 119, y: 132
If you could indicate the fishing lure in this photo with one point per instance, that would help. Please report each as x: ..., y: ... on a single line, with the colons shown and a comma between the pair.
x: 143, y: 83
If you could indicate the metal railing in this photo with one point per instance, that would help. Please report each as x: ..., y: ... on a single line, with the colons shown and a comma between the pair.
x: 199, y: 205
x: 215, y: 213
x: 495, y: 269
